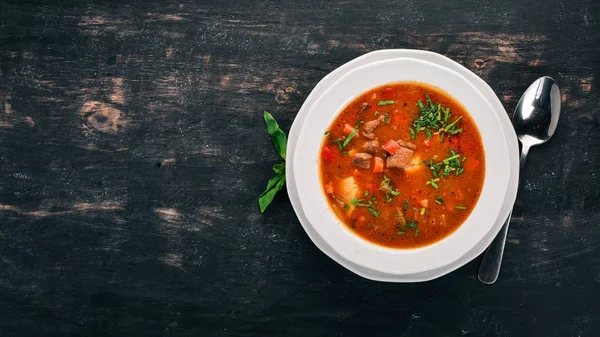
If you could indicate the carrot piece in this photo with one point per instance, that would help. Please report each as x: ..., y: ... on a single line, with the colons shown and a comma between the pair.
x: 348, y: 129
x: 391, y: 146
x: 378, y: 165
x: 424, y: 202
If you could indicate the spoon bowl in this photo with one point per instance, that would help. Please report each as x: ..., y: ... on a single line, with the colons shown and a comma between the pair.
x: 537, y: 112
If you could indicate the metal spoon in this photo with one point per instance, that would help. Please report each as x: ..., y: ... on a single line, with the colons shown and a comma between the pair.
x: 534, y: 120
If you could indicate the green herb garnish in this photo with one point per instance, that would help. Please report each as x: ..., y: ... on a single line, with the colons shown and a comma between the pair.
x: 388, y: 189
x: 386, y: 102
x: 452, y: 163
x: 439, y: 200
x: 386, y: 118
x: 405, y: 205
x: 370, y: 203
x: 432, y: 122
x: 410, y: 223
x: 374, y: 212
x: 326, y: 133
x: 351, y: 135
x: 277, y: 181
x: 460, y: 207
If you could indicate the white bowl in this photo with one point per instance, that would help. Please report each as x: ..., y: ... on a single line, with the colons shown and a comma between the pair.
x: 337, y: 235
x: 486, y: 91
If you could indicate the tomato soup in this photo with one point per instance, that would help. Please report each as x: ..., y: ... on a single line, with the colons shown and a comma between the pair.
x: 402, y: 165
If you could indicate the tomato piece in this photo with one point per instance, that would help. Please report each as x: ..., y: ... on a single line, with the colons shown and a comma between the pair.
x: 328, y: 153
x: 391, y: 146
x: 378, y: 165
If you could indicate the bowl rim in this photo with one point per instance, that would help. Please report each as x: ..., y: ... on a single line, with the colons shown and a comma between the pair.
x: 351, y: 246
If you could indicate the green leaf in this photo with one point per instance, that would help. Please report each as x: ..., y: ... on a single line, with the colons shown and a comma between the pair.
x: 279, y: 168
x: 274, y: 185
x: 277, y: 135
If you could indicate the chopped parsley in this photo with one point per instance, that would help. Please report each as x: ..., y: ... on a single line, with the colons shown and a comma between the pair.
x: 460, y: 207
x: 388, y: 189
x: 369, y: 203
x: 405, y: 205
x: 326, y: 133
x: 386, y: 118
x: 350, y: 136
x: 433, y: 182
x: 451, y: 164
x: 389, y: 102
x: 410, y: 224
x: 439, y: 200
x: 434, y: 119
x: 374, y: 212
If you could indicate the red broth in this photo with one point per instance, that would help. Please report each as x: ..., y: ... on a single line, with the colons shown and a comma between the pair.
x: 414, y: 177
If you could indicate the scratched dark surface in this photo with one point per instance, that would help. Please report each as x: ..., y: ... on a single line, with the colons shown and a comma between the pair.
x: 132, y: 152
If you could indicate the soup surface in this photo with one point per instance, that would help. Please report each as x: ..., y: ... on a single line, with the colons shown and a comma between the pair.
x: 402, y: 165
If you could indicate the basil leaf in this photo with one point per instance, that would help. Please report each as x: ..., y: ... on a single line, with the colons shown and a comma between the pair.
x: 279, y: 168
x: 277, y: 135
x: 274, y: 185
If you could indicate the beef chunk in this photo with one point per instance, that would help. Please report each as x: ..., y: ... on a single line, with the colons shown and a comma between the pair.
x: 371, y: 125
x: 407, y: 145
x: 401, y: 158
x: 362, y: 160
x: 369, y: 135
x: 371, y: 146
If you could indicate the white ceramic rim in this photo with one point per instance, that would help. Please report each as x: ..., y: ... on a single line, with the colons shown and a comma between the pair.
x: 338, y: 236
x: 385, y: 54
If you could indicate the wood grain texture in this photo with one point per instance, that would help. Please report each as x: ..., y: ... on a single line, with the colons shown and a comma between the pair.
x: 132, y: 152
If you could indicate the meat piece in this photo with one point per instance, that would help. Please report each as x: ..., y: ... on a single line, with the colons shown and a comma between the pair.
x: 401, y: 158
x: 371, y: 125
x: 369, y: 135
x: 371, y: 146
x: 362, y: 160
x: 407, y: 145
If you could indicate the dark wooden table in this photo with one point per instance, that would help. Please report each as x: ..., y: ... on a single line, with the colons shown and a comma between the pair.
x: 133, y: 150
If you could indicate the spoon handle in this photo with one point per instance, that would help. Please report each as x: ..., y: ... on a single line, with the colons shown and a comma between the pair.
x: 489, y: 269
x: 492, y: 260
